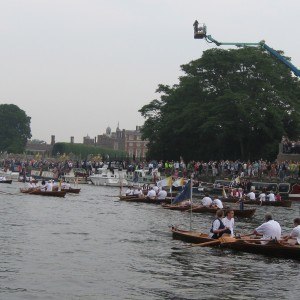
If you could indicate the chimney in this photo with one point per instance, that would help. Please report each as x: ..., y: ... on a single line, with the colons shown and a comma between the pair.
x: 52, y: 140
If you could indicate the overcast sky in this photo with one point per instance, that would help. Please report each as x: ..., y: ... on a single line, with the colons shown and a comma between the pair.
x: 78, y: 66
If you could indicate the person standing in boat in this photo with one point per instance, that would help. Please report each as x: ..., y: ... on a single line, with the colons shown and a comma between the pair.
x: 218, y: 228
x: 228, y: 220
x: 269, y: 230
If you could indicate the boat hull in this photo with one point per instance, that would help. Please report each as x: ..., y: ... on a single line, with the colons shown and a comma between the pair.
x: 60, y: 194
x: 273, y: 249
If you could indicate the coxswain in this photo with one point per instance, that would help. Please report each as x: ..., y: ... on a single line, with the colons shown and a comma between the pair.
x: 218, y: 228
x: 268, y: 230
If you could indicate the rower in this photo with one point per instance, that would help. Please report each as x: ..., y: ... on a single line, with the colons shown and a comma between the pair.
x: 129, y: 191
x: 217, y: 227
x: 295, y: 234
x: 151, y: 194
x: 206, y: 201
x: 138, y: 192
x: 251, y: 195
x: 217, y: 202
x: 269, y: 230
x: 228, y: 221
x: 162, y: 194
x: 271, y: 196
x: 262, y: 196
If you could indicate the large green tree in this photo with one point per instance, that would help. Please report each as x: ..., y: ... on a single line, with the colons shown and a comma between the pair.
x: 14, y: 129
x: 228, y: 104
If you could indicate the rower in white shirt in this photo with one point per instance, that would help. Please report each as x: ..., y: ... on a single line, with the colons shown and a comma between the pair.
x: 217, y: 202
x: 206, y: 201
x: 271, y: 196
x: 269, y: 230
x: 228, y: 221
x: 251, y: 195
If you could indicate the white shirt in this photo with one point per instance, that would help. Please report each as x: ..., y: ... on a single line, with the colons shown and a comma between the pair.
x: 218, y: 203
x: 137, y: 192
x: 215, y: 226
x: 49, y: 186
x: 251, y: 195
x: 206, y: 201
x: 262, y: 197
x: 162, y: 195
x: 296, y: 233
x: 271, y: 197
x: 229, y: 223
x: 129, y: 192
x: 151, y: 194
x: 270, y: 230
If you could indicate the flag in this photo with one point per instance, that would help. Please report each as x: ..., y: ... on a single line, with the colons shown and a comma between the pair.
x: 224, y: 193
x: 165, y: 182
x: 178, y: 182
x: 185, y: 194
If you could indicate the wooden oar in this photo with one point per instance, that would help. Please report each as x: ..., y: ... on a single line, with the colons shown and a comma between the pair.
x: 205, y: 244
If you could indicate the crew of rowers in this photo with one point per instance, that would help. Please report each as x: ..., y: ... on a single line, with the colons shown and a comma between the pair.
x: 155, y: 193
x: 48, y: 186
x: 263, y: 196
x: 269, y: 230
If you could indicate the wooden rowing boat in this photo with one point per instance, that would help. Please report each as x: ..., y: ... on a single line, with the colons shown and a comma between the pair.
x: 143, y: 200
x: 283, y: 203
x: 67, y: 190
x: 176, y: 207
x: 272, y: 248
x: 43, y: 193
x: 246, y: 213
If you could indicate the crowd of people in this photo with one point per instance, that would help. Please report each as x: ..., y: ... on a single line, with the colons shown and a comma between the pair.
x: 221, y: 168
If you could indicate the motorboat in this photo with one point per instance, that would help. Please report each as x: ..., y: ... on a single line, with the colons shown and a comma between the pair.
x: 109, y: 177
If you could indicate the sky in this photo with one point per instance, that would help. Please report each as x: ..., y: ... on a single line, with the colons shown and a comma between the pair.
x: 78, y: 66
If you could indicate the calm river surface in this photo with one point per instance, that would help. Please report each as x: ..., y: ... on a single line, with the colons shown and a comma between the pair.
x: 91, y: 246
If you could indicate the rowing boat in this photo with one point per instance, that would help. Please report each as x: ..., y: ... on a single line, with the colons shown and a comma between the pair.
x: 272, y: 248
x: 144, y: 200
x: 246, y: 213
x: 44, y: 193
x: 283, y: 203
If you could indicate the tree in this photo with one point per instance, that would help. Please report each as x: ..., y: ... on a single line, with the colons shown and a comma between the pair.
x: 229, y: 104
x: 15, y: 128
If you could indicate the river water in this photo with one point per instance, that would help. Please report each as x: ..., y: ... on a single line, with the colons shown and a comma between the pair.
x: 92, y: 246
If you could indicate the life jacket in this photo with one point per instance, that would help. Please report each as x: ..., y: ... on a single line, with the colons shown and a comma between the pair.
x: 222, y: 226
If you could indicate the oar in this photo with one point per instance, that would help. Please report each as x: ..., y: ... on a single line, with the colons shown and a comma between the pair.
x: 210, y: 243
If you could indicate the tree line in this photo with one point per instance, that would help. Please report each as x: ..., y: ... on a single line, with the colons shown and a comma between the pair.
x: 229, y: 104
